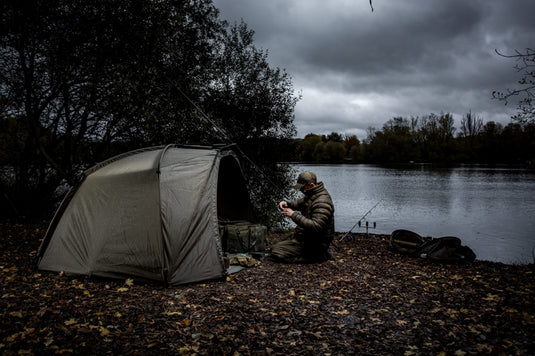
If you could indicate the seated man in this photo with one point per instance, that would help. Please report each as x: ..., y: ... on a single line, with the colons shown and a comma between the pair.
x: 314, y: 217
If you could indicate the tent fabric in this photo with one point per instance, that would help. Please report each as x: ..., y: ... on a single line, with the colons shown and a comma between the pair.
x: 150, y: 214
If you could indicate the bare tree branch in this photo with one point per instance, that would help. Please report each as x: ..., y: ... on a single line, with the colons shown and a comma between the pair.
x: 526, y: 93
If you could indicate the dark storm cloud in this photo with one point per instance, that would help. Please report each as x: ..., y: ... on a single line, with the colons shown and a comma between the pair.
x: 356, y: 68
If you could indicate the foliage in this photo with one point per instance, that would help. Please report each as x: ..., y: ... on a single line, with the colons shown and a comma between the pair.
x: 331, y: 148
x: 350, y: 142
x: 252, y: 104
x: 366, y: 300
x: 308, y: 145
x: 436, y: 136
x: 430, y: 139
x: 471, y: 128
x: 329, y: 151
x: 334, y: 137
x: 84, y: 80
x: 395, y: 143
x: 279, y: 178
x: 355, y: 153
x: 249, y: 99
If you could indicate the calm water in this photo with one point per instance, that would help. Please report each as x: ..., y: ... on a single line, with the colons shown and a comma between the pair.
x: 492, y: 210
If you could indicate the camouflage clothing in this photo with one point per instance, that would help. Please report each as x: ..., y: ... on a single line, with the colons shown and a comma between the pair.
x: 314, y: 217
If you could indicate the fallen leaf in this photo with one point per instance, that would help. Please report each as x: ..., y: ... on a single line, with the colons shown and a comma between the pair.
x: 492, y: 298
x: 17, y: 314
x: 104, y: 331
x: 341, y: 312
x: 12, y: 337
x: 173, y: 313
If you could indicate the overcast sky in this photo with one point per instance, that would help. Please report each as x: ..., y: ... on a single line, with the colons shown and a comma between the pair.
x: 357, y: 69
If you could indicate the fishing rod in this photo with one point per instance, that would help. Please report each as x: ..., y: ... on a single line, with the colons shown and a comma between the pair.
x: 358, y: 222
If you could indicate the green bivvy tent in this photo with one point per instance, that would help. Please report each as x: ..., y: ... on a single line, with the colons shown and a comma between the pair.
x: 150, y: 214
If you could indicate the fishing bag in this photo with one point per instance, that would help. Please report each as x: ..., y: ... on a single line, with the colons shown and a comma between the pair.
x: 242, y: 236
x: 447, y: 249
x: 406, y: 242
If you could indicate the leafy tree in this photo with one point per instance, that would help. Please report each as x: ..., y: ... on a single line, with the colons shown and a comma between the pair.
x: 355, y: 153
x: 471, y: 127
x: 335, y: 137
x: 308, y: 146
x: 80, y: 75
x: 330, y: 151
x: 367, y: 147
x: 36, y: 73
x: 436, y: 135
x: 320, y: 149
x: 242, y: 79
x: 395, y: 143
x: 352, y: 147
x: 529, y: 144
x: 320, y: 152
x: 253, y: 104
x: 377, y: 149
x: 514, y: 142
x: 83, y: 79
x: 491, y: 145
x: 335, y: 151
x: 401, y: 140
x: 350, y: 141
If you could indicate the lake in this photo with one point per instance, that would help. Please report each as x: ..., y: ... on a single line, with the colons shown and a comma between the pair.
x: 492, y: 210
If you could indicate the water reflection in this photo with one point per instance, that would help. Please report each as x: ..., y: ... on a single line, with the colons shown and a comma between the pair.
x: 491, y: 210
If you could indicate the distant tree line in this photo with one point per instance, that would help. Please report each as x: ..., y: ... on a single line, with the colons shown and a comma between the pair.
x: 83, y: 80
x: 431, y: 139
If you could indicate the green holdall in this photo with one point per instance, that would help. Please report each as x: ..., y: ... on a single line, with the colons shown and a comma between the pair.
x: 242, y: 236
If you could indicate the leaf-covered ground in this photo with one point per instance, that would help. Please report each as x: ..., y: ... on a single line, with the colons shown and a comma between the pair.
x: 367, y: 300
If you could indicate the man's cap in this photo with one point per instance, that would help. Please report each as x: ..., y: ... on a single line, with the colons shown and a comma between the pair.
x: 305, y: 178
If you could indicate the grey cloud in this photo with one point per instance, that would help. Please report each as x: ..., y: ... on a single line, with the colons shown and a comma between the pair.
x: 408, y: 58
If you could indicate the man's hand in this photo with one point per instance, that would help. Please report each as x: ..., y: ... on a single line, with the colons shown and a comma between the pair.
x: 287, y: 212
